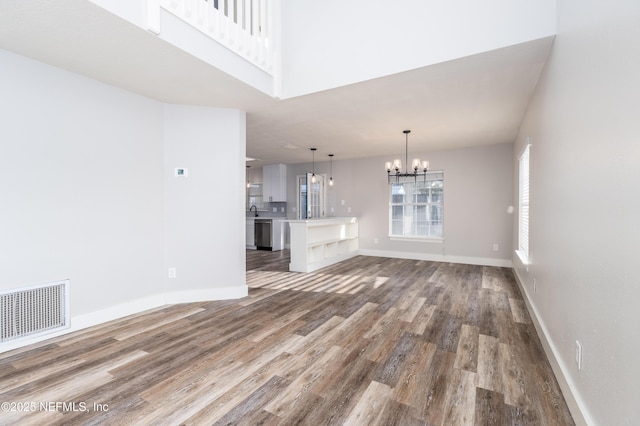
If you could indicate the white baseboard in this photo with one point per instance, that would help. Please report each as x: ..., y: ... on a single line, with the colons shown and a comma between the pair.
x: 205, y: 295
x: 574, y: 402
x: 121, y: 310
x: 484, y: 261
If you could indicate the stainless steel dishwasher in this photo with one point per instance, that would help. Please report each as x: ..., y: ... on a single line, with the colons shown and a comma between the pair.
x: 262, y: 231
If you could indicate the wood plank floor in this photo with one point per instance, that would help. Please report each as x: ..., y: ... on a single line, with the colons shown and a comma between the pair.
x: 369, y: 341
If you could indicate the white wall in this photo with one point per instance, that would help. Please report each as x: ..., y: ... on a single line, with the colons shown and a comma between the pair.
x: 478, y: 189
x: 585, y: 177
x: 334, y: 43
x: 82, y: 196
x: 205, y: 223
x: 88, y: 194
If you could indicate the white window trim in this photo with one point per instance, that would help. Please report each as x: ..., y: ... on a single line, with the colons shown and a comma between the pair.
x: 417, y: 239
x: 524, y: 255
x: 431, y: 239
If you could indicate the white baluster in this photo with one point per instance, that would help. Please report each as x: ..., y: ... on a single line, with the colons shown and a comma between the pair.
x: 188, y: 8
x: 233, y: 34
x: 242, y: 38
x: 200, y: 12
x: 153, y: 16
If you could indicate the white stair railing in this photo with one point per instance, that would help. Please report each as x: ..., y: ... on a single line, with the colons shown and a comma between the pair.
x: 246, y: 27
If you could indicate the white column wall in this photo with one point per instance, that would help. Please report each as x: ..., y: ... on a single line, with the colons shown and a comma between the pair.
x: 205, y: 220
x: 584, y: 229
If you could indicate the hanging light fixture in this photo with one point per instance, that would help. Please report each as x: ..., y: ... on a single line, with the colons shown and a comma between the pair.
x: 330, y: 169
x: 248, y: 181
x: 313, y: 175
x: 416, y: 165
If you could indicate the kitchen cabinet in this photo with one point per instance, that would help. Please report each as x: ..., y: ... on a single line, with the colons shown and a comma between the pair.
x: 274, y: 182
x: 250, y: 239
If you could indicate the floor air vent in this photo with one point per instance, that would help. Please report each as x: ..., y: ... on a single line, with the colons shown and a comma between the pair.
x: 33, y: 311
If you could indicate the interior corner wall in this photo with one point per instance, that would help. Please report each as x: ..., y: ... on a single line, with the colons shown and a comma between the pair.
x: 584, y: 229
x: 82, y: 196
x: 478, y: 190
x: 205, y: 223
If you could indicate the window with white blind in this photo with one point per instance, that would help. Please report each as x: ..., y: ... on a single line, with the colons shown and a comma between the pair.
x: 416, y: 207
x: 523, y: 206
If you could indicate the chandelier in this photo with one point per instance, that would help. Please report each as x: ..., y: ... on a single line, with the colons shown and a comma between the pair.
x: 418, y: 167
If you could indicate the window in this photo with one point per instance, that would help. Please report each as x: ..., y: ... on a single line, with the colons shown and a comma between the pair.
x: 523, y: 206
x: 416, y: 207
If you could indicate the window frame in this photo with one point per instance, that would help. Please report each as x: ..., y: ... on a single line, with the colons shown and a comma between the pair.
x: 524, y: 204
x: 439, y: 174
x: 319, y: 197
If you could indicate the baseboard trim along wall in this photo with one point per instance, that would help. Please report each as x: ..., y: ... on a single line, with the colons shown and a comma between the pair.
x: 574, y: 402
x: 505, y: 263
x: 208, y: 294
x: 111, y: 313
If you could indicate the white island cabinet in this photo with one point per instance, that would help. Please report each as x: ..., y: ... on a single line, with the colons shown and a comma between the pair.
x: 316, y: 243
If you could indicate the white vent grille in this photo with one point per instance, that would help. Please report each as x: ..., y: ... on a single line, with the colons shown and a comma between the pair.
x: 34, y: 310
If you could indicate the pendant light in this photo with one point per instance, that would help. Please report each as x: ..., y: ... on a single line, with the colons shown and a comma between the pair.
x: 330, y: 169
x: 313, y: 175
x: 248, y: 181
x: 416, y: 165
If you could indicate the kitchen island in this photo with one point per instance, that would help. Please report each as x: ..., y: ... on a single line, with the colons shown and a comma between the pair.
x: 317, y: 243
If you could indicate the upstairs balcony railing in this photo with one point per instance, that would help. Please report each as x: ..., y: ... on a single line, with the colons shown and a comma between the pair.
x: 246, y: 27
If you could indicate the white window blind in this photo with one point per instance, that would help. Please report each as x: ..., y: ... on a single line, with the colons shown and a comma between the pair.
x: 523, y: 219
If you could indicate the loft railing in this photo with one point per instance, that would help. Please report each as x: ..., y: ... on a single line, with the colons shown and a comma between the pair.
x: 246, y: 27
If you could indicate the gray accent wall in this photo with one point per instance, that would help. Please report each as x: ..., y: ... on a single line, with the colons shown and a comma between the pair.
x: 478, y: 186
x: 88, y: 193
x: 584, y: 229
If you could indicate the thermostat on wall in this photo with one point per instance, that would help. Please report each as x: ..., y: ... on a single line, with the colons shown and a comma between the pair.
x: 182, y: 172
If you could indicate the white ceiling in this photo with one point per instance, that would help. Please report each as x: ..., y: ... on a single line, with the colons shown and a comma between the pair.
x: 477, y: 100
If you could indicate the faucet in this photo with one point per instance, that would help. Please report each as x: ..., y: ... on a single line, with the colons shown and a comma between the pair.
x: 250, y: 208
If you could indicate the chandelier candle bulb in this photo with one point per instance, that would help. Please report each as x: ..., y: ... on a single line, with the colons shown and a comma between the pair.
x: 418, y: 167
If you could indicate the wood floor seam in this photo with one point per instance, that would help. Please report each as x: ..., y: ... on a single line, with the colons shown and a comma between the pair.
x: 367, y: 341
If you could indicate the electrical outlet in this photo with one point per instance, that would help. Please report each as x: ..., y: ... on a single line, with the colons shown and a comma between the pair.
x: 579, y: 355
x: 496, y: 247
x: 348, y: 209
x: 375, y: 240
x: 172, y: 272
